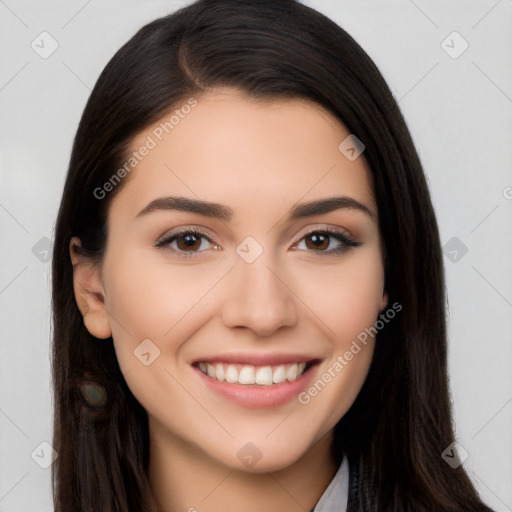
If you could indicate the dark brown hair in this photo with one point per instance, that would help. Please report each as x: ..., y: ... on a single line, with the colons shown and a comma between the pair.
x: 401, y: 420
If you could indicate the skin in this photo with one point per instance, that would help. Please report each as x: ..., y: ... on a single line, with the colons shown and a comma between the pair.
x: 260, y: 159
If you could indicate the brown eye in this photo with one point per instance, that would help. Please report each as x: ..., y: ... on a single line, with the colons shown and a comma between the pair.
x: 187, y: 241
x: 319, y: 241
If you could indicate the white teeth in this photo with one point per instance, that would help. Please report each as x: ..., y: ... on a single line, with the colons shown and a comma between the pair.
x: 232, y: 374
x: 249, y: 374
x: 210, y: 370
x: 219, y: 371
x: 279, y: 375
x: 264, y: 376
x: 291, y: 373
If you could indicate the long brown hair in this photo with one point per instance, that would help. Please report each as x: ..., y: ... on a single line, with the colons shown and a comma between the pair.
x: 401, y: 420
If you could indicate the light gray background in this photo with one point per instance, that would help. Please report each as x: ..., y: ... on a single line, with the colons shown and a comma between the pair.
x: 459, y: 111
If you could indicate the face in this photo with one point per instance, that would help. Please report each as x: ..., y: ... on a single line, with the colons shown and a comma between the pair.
x: 263, y: 294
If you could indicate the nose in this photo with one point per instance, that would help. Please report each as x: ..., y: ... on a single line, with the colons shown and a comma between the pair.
x: 259, y: 298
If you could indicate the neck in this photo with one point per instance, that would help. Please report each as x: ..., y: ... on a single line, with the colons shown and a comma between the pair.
x: 185, y: 478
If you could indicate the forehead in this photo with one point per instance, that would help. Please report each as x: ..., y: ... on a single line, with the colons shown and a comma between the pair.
x: 233, y: 149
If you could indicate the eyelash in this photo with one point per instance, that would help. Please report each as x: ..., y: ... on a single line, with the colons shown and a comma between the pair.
x: 347, y: 241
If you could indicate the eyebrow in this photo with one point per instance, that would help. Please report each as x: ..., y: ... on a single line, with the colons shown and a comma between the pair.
x: 225, y: 213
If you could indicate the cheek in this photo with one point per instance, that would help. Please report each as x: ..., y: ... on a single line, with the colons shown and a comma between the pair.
x: 160, y: 302
x: 150, y: 287
x: 346, y: 298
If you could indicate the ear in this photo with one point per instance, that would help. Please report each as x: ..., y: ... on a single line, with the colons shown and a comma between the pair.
x: 89, y: 292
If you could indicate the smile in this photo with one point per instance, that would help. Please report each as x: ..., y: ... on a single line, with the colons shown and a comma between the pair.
x: 253, y: 375
x: 272, y: 381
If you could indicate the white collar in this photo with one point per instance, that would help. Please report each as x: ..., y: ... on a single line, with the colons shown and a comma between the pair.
x: 335, y: 497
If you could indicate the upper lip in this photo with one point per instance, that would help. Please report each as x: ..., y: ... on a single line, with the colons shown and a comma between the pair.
x: 257, y: 359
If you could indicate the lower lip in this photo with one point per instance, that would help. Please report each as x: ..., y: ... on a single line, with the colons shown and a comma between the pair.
x: 258, y: 397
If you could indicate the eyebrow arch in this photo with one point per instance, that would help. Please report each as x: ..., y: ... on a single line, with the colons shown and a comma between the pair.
x: 214, y: 210
x: 328, y: 205
x: 222, y: 212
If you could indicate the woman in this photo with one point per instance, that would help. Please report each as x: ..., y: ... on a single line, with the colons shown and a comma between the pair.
x: 247, y: 280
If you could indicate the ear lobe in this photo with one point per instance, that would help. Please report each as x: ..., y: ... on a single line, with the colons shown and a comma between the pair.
x: 383, y: 302
x: 89, y: 292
